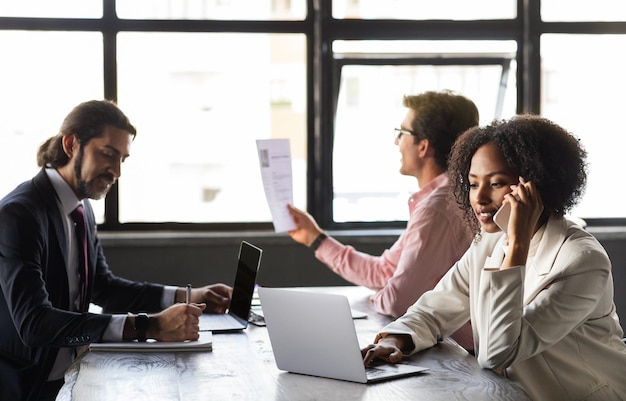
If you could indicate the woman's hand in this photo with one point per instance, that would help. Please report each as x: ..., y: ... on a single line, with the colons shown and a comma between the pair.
x: 526, y: 211
x: 389, y: 349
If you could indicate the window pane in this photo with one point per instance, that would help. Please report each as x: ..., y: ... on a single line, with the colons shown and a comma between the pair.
x: 213, y: 9
x: 583, y: 10
x: 199, y: 103
x: 43, y: 83
x: 370, y: 107
x: 425, y: 9
x: 583, y: 90
x: 51, y: 9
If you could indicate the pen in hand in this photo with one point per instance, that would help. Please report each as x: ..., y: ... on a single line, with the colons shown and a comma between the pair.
x: 188, y: 297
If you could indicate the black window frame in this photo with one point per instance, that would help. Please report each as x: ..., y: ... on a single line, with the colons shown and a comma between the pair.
x: 377, y: 59
x: 323, y: 77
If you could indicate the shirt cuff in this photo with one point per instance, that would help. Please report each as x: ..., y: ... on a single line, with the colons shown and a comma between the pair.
x: 115, y: 329
x: 169, y: 296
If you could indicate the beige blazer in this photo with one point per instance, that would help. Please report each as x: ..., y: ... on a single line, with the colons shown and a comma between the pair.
x: 550, y: 325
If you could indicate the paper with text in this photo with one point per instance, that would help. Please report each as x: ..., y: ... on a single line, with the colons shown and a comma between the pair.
x: 275, y: 163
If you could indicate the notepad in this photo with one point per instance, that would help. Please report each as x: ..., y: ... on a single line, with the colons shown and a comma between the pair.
x: 204, y: 343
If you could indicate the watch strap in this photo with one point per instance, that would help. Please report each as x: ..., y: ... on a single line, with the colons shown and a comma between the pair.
x: 318, y: 241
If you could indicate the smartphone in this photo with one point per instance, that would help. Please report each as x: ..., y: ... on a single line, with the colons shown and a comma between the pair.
x: 501, y: 218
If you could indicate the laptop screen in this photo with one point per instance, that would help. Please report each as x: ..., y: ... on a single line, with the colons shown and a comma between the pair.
x: 245, y: 278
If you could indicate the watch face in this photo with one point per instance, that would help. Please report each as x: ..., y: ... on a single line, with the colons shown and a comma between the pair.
x: 141, y: 326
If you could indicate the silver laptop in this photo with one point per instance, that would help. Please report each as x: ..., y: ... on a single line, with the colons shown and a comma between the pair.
x: 236, y: 318
x: 313, y: 333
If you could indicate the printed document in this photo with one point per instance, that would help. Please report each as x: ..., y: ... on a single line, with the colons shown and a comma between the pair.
x: 275, y: 163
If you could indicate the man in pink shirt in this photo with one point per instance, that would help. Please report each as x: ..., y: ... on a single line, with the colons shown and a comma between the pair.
x: 435, y: 236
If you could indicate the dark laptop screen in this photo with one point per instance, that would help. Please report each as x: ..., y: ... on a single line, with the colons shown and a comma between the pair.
x: 243, y: 288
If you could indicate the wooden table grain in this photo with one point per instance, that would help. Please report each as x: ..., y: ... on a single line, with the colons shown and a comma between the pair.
x: 241, y: 366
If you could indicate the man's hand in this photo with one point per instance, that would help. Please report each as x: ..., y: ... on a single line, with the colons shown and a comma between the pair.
x: 307, y: 229
x: 216, y: 297
x: 179, y: 322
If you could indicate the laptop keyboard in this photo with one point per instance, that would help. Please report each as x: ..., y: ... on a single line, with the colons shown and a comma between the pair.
x: 373, y: 372
x: 219, y: 322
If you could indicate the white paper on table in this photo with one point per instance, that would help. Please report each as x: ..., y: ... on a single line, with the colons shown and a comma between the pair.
x: 275, y: 164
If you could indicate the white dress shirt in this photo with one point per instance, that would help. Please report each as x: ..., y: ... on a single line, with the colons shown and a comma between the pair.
x: 67, y: 202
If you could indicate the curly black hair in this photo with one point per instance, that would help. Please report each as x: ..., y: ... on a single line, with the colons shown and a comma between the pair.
x: 534, y: 148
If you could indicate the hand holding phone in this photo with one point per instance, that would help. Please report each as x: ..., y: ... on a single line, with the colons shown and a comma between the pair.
x: 501, y: 217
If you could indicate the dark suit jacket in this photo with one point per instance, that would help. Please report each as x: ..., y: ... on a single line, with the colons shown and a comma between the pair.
x: 34, y: 301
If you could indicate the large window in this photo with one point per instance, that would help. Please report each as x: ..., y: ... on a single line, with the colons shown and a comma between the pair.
x: 583, y: 89
x: 42, y: 76
x: 373, y: 77
x: 198, y: 98
x: 200, y: 101
x: 203, y: 79
x: 425, y: 9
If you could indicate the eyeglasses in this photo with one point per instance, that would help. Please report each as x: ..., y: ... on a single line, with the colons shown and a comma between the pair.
x: 398, y: 132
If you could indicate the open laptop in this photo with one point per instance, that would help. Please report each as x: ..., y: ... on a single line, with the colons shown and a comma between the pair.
x: 257, y: 318
x: 236, y: 318
x: 313, y: 333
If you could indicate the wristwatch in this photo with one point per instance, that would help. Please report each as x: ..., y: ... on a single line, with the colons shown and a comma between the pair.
x: 141, y: 326
x: 317, y: 242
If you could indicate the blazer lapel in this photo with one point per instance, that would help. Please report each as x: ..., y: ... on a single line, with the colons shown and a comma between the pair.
x: 537, y: 273
x: 494, y: 261
x: 56, y: 270
x: 48, y: 194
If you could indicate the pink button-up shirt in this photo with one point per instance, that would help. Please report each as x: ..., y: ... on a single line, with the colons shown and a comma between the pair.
x: 434, y: 239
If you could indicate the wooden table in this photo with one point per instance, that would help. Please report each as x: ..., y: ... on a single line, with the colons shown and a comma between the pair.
x: 241, y: 367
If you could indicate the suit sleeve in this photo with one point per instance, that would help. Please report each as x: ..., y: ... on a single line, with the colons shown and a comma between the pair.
x: 437, y: 313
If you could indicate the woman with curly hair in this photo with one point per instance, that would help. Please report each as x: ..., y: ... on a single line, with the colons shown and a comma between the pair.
x: 540, y: 295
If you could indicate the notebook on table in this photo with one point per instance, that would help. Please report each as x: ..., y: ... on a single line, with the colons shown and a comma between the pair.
x: 204, y: 343
x: 236, y: 318
x: 313, y: 333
